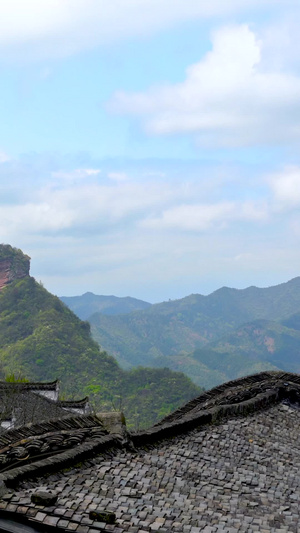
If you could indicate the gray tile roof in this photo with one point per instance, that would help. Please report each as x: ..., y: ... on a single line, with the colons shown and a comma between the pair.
x: 23, y: 403
x: 227, y: 462
x: 24, y: 406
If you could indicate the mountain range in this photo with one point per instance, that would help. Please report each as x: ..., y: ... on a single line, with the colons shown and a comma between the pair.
x: 213, y: 338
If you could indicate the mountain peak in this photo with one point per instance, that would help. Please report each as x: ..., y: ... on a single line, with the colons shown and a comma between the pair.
x: 13, y: 264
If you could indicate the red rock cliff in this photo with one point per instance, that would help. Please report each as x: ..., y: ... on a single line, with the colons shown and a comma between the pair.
x: 13, y: 265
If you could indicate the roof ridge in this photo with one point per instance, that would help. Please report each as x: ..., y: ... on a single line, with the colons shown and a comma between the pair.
x: 68, y: 422
x: 215, y: 391
x: 47, y: 385
x: 264, y: 389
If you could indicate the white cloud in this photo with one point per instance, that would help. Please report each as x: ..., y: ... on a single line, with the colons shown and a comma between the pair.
x: 45, y: 73
x: 281, y: 45
x: 154, y: 236
x: 117, y: 176
x: 69, y: 204
x: 52, y: 28
x: 76, y: 175
x: 202, y: 217
x: 250, y: 211
x: 34, y: 218
x: 192, y: 217
x: 95, y: 204
x: 87, y: 201
x: 4, y: 157
x: 285, y: 186
x: 227, y: 99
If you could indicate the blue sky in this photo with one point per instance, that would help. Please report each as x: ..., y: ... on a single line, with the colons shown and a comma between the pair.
x: 151, y: 148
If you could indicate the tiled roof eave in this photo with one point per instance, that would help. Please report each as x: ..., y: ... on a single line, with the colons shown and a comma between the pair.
x: 59, y: 461
x: 73, y: 403
x: 48, y: 386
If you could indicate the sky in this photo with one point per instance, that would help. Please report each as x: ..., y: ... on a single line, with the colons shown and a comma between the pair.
x: 150, y: 148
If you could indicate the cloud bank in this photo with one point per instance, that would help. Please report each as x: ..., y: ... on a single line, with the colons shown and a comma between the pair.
x: 58, y: 28
x: 124, y: 232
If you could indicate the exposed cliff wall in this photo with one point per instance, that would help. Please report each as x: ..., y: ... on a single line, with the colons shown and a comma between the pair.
x: 13, y: 265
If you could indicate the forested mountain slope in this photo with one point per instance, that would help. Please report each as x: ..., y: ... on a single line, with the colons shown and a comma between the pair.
x: 254, y: 346
x: 261, y: 340
x: 43, y: 340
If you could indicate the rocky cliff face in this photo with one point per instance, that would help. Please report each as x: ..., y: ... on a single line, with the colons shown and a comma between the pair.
x: 13, y: 265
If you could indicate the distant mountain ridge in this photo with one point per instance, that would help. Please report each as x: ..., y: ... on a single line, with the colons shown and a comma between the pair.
x: 89, y: 303
x: 192, y: 322
x: 169, y: 333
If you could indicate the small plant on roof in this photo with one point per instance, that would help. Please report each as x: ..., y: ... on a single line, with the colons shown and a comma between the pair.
x: 16, y: 378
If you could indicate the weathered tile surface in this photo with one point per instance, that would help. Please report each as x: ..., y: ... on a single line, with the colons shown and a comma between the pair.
x: 239, y: 476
